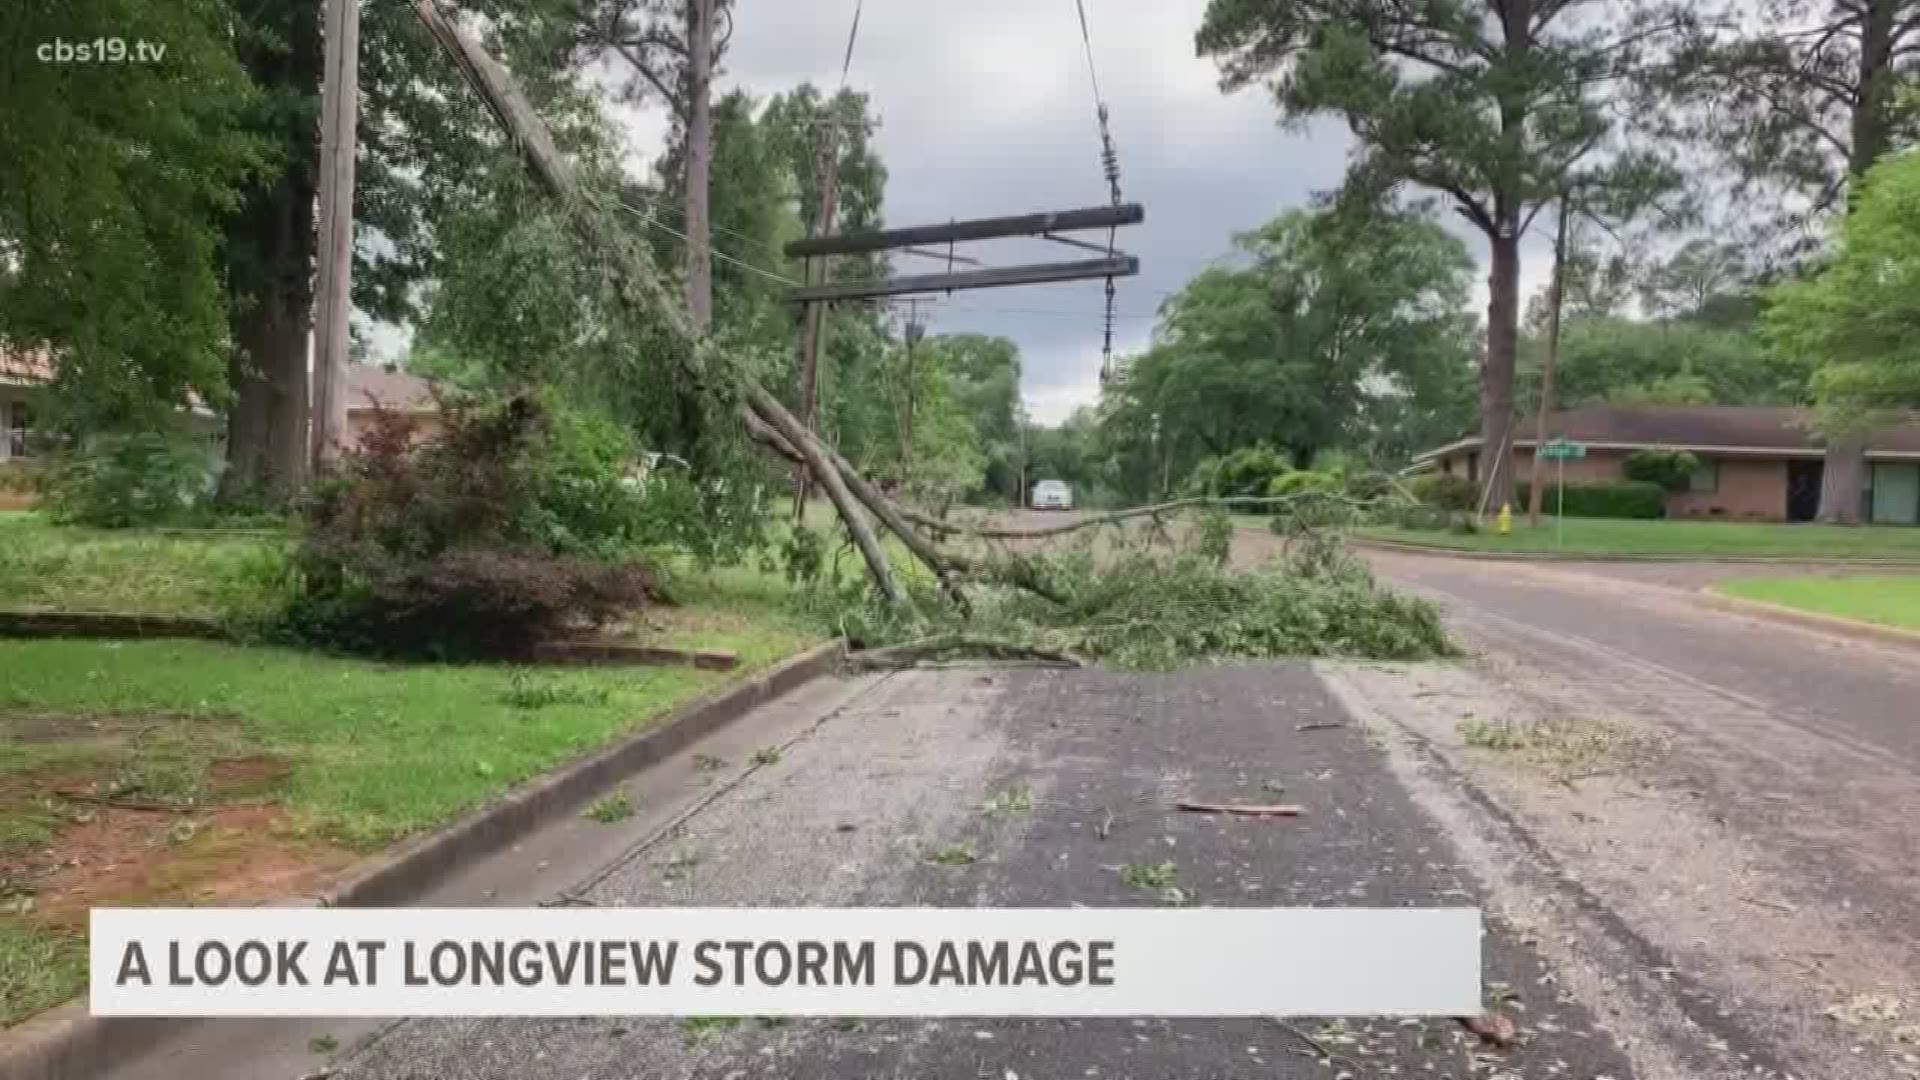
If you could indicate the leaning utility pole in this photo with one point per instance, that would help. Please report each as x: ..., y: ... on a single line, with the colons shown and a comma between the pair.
x: 827, y: 177
x: 699, y: 161
x: 1556, y: 299
x: 333, y: 307
x: 915, y: 331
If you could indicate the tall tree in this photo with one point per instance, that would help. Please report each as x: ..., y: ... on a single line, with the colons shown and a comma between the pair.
x: 984, y: 373
x: 1808, y: 97
x: 1864, y: 306
x: 1296, y: 351
x: 1691, y: 279
x: 115, y: 179
x: 1496, y: 105
x: 672, y: 49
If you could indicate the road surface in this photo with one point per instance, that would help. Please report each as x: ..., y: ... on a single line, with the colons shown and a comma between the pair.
x: 850, y: 814
x: 1700, y: 861
x: 1751, y: 811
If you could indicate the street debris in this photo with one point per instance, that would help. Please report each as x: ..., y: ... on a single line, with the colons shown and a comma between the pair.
x: 1319, y: 725
x: 1242, y: 809
x: 1863, y: 1009
x: 1491, y: 1028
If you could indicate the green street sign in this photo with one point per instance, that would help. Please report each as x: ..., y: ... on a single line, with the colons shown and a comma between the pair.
x: 1562, y: 450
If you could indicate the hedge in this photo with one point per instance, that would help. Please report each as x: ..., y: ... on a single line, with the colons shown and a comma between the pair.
x: 1601, y: 499
x: 1445, y: 491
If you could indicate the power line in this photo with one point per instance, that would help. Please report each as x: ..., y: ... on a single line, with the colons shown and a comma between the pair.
x: 853, y: 33
x: 711, y: 250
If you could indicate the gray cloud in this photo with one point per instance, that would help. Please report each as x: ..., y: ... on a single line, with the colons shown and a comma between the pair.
x: 986, y: 109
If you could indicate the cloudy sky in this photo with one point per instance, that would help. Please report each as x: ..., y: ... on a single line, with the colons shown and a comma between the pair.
x: 986, y: 109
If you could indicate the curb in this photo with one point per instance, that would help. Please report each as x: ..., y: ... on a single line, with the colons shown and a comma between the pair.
x: 1813, y: 620
x: 67, y: 1043
x: 108, y: 624
x: 1622, y: 557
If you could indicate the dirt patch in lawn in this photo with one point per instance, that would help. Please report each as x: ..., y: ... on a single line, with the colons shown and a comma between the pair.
x: 139, y: 810
x: 236, y: 854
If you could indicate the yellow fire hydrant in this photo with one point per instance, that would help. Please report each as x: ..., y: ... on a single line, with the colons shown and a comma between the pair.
x: 1504, y: 523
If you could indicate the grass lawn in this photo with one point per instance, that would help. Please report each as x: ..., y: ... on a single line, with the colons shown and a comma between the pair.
x: 1888, y: 599
x: 140, y: 772
x: 136, y: 571
x: 1600, y: 536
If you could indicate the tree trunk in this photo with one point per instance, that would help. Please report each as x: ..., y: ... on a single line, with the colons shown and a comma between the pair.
x: 699, y: 161
x: 1496, y: 371
x: 1549, y: 365
x: 1843, y: 482
x: 270, y: 247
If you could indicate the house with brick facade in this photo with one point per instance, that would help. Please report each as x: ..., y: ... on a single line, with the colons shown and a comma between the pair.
x: 1755, y: 464
x: 370, y: 388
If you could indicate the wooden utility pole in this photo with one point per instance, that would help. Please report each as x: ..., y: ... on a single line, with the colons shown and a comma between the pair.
x: 827, y: 179
x: 333, y: 305
x: 699, y: 161
x: 1556, y: 299
x: 914, y: 332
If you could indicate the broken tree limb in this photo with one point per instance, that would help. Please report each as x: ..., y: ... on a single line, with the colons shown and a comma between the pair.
x: 912, y: 652
x: 638, y: 287
x: 1112, y: 517
x: 759, y: 432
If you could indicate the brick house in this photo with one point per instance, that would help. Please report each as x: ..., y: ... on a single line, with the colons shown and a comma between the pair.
x: 1756, y: 464
x: 22, y: 375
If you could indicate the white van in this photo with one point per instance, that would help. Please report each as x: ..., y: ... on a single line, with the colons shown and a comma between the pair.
x: 1052, y: 495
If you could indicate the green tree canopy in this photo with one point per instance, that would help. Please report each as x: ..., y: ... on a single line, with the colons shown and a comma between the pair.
x: 115, y: 179
x: 1498, y: 106
x: 1338, y: 316
x: 1864, y: 306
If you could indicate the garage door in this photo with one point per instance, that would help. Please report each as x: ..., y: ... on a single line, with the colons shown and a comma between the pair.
x: 1896, y: 493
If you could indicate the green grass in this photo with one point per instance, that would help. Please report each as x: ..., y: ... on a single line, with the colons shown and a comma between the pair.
x: 376, y: 750
x: 1885, y: 599
x: 1601, y: 536
x: 137, y: 571
x: 38, y: 969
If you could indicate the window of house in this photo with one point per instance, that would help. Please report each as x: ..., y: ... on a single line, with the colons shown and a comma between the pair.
x: 1706, y: 476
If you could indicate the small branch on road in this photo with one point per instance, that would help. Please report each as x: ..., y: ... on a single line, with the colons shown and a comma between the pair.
x: 912, y: 652
x: 1242, y: 809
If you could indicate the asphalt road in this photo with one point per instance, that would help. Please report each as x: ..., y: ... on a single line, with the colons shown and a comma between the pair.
x: 850, y: 814
x: 1756, y: 828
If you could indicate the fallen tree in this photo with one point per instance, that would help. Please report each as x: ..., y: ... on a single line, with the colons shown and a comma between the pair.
x: 1070, y: 607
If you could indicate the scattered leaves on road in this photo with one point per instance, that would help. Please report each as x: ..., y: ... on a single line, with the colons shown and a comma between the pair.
x: 960, y: 854
x: 1014, y: 800
x: 611, y: 808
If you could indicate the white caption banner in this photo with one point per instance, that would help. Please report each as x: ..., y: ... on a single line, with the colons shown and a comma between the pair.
x: 785, y: 961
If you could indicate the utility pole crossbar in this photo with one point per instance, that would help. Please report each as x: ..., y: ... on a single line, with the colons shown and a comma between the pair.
x: 1096, y: 217
x: 995, y: 277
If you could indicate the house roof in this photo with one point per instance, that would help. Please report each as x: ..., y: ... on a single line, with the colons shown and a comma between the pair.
x: 25, y: 368
x: 1722, y: 429
x: 371, y: 386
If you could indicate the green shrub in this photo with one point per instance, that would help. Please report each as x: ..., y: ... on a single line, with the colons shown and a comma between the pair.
x: 122, y: 480
x: 1671, y: 470
x: 1602, y: 499
x: 1368, y: 486
x: 481, y: 542
x: 1445, y: 491
x: 1249, y: 471
x: 1303, y: 480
